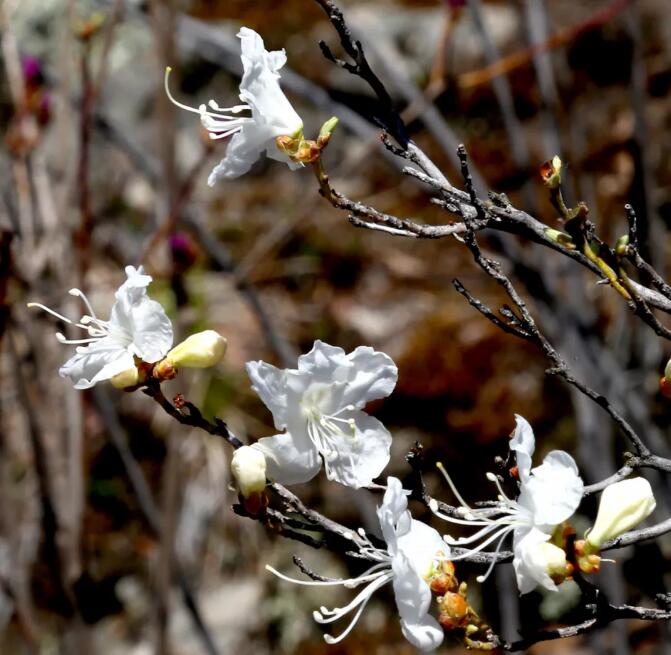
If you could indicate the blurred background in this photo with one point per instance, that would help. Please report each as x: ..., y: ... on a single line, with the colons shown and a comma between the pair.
x: 113, y: 518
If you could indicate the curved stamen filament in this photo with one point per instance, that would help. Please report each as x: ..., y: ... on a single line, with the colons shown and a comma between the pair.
x: 492, y: 564
x: 48, y: 310
x: 73, y: 342
x: 448, y: 479
x: 80, y: 294
x: 361, y: 600
x: 201, y: 110
x: 502, y: 533
x: 493, y: 478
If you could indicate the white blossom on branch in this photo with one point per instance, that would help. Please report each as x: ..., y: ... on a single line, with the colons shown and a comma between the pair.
x: 413, y: 555
x: 138, y: 327
x: 549, y: 495
x: 272, y: 115
x: 319, y: 405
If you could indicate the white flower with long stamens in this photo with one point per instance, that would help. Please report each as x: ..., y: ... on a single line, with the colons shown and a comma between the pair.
x: 549, y: 495
x: 319, y: 404
x: 137, y: 327
x: 272, y: 115
x: 412, y: 555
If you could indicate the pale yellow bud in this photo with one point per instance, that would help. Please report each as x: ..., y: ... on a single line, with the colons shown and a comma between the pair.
x: 623, y: 505
x: 552, y: 558
x: 128, y: 378
x: 249, y: 470
x: 200, y: 350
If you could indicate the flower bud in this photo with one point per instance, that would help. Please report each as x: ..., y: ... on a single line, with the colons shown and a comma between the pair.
x: 623, y: 505
x: 551, y: 559
x: 200, y: 350
x: 128, y: 378
x: 551, y: 172
x: 326, y: 131
x: 621, y: 245
x: 249, y: 470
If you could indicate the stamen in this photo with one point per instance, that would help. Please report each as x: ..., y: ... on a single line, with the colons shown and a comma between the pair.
x: 50, y: 311
x: 490, y: 568
x: 235, y: 109
x: 361, y: 600
x: 501, y: 533
x: 306, y: 583
x: 80, y: 294
x: 73, y: 342
x: 494, y: 478
x: 448, y: 479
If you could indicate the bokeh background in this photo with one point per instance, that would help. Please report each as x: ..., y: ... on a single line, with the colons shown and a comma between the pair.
x: 101, y: 494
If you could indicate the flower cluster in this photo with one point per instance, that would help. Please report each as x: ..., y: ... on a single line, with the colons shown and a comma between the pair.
x: 318, y: 407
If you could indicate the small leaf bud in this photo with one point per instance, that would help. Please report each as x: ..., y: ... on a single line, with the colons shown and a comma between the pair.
x: 621, y: 245
x: 551, y: 172
x: 326, y: 131
x: 623, y: 505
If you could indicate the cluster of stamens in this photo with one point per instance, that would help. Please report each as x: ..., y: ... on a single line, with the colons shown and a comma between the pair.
x: 374, y: 578
x: 94, y: 326
x: 217, y: 120
x: 496, y: 522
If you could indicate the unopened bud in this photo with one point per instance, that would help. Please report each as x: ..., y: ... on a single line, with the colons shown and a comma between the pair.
x: 128, y: 378
x: 552, y: 559
x: 665, y: 386
x: 587, y: 562
x: 559, y: 237
x: 249, y: 470
x: 623, y: 505
x: 454, y: 611
x: 551, y: 172
x: 326, y: 131
x: 621, y: 245
x: 200, y: 350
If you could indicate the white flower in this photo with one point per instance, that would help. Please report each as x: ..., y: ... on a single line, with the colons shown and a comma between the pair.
x: 137, y: 327
x: 272, y: 115
x: 549, y: 495
x: 320, y: 404
x: 623, y: 505
x: 413, y: 554
x: 249, y: 469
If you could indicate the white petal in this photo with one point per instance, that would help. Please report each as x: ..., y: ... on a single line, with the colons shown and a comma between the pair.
x: 324, y: 363
x: 289, y: 461
x: 394, y: 506
x: 529, y: 569
x: 151, y: 330
x: 244, y: 148
x: 360, y: 458
x: 371, y: 375
x: 101, y: 360
x: 413, y: 599
x: 270, y: 383
x: 524, y: 444
x: 260, y: 87
x: 554, y: 489
x: 423, y: 547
